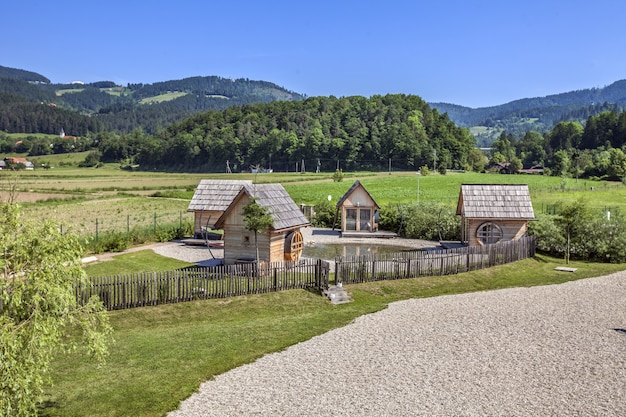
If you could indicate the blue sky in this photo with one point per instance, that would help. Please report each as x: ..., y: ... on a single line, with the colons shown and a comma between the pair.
x: 472, y: 53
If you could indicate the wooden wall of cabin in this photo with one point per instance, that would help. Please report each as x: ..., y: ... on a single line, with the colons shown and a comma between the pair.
x: 201, y: 218
x: 511, y: 229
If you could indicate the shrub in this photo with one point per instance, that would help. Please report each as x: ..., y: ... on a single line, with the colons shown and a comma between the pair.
x: 338, y: 175
x: 421, y: 221
x: 324, y: 214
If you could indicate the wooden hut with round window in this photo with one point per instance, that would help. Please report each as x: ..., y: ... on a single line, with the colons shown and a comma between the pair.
x: 491, y: 213
x: 282, y: 242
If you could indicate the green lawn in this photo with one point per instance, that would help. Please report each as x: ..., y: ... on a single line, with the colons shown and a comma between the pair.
x: 161, y: 354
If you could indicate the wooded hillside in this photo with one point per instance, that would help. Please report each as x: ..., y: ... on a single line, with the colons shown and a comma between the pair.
x: 121, y: 109
x: 351, y: 133
x: 540, y: 114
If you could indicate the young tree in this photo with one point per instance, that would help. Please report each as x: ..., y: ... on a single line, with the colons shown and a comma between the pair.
x: 39, y: 269
x: 257, y: 219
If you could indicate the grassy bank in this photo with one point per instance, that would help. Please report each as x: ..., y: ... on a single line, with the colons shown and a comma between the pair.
x: 163, y: 353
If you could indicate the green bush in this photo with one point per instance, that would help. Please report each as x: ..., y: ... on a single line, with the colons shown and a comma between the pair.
x: 324, y: 214
x: 593, y: 235
x: 421, y: 221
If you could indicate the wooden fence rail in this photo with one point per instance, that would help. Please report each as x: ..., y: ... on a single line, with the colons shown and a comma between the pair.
x: 414, y: 264
x: 153, y: 288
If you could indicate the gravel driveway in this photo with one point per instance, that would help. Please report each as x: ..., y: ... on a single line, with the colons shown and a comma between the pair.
x: 557, y: 350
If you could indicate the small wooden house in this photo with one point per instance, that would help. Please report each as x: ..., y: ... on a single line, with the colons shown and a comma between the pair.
x: 210, y: 200
x: 359, y: 210
x: 282, y: 242
x: 491, y: 213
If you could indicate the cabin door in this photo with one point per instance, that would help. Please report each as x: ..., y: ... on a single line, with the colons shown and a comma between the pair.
x: 351, y: 219
x: 365, y: 217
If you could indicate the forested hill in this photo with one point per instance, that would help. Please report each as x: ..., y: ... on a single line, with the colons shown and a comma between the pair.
x: 540, y: 113
x: 104, y: 105
x: 18, y: 74
x: 325, y: 132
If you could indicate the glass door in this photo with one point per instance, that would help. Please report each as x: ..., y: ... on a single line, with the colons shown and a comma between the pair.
x: 350, y: 219
x: 365, y: 217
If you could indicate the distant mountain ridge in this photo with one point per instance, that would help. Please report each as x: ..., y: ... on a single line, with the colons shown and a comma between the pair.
x: 539, y: 113
x: 123, y: 108
x: 104, y: 105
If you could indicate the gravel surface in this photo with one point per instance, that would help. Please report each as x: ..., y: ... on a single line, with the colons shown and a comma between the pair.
x: 556, y: 350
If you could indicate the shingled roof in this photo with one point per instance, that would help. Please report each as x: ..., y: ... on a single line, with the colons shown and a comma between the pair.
x: 495, y: 201
x: 285, y: 212
x: 215, y: 195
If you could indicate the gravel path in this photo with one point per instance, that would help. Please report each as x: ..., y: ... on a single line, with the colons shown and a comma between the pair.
x: 555, y: 350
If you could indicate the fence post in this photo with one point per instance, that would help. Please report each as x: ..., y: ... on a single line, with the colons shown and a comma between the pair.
x: 96, y: 229
x: 155, y: 222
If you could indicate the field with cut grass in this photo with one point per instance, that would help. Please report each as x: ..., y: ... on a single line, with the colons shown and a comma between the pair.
x: 118, y: 199
x: 161, y: 354
x: 163, y: 97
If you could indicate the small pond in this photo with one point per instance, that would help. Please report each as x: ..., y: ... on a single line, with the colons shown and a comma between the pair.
x: 331, y: 250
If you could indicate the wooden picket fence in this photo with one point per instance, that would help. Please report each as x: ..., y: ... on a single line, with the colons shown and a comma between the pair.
x: 412, y: 264
x: 153, y: 288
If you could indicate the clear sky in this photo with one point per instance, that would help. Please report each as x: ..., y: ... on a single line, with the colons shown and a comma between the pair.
x: 472, y: 53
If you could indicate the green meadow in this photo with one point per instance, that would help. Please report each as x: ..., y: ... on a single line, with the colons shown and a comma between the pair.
x: 161, y: 354
x: 76, y: 197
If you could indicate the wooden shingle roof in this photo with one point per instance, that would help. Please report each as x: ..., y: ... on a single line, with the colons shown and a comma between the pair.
x: 495, y: 201
x: 215, y: 195
x: 283, y: 209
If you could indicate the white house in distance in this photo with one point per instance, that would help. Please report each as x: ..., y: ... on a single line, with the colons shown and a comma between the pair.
x: 491, y: 213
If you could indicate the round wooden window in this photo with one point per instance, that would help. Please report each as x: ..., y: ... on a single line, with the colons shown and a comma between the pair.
x: 293, y: 246
x: 488, y: 233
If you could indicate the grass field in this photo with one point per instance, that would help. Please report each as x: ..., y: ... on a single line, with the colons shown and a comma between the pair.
x: 161, y: 354
x: 115, y: 198
x: 163, y: 97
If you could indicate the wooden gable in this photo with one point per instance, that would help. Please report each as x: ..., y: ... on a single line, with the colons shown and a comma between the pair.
x: 357, y: 196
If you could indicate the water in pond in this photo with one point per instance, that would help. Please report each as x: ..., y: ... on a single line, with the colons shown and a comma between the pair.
x: 331, y: 250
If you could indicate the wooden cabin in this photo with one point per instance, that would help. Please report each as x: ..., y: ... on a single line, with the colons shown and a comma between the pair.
x: 210, y: 201
x: 359, y: 211
x: 491, y: 213
x: 282, y: 242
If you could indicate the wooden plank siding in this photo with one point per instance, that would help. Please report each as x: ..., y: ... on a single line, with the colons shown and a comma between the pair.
x: 358, y: 199
x: 239, y: 242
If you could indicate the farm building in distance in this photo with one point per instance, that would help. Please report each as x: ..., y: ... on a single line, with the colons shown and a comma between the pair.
x: 210, y: 201
x: 491, y: 213
x: 282, y: 242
